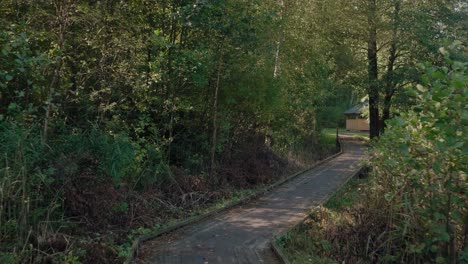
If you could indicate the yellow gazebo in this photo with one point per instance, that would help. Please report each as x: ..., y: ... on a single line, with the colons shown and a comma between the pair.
x: 354, y: 119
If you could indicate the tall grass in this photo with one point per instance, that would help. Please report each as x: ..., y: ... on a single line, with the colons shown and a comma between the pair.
x: 23, y: 185
x: 32, y: 180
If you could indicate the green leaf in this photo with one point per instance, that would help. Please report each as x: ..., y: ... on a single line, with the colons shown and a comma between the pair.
x: 425, y: 79
x: 417, y: 248
x: 436, y: 168
x: 8, y: 77
x: 388, y: 197
x: 438, y: 75
x: 421, y: 88
x: 327, y: 246
x: 12, y: 106
x: 458, y: 84
x: 403, y: 148
x: 443, y: 51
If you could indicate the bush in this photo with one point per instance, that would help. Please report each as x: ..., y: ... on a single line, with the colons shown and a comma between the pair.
x: 420, y: 169
x: 115, y: 154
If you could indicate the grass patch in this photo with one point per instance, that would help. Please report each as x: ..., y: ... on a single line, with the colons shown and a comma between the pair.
x: 347, y: 196
x: 327, y: 138
x: 331, y: 132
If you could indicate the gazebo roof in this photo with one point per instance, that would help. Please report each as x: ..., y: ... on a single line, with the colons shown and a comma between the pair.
x: 353, y: 111
x: 356, y: 110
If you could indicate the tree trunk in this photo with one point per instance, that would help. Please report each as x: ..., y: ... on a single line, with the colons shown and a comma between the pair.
x: 214, y: 136
x: 389, y: 79
x: 389, y: 88
x: 373, y: 87
x: 277, y: 69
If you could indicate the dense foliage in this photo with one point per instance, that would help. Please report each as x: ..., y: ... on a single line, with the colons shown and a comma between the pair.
x: 116, y: 115
x: 420, y: 165
x: 123, y: 114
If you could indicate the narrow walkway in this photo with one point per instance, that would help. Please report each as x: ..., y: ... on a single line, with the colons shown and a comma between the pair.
x: 242, y: 234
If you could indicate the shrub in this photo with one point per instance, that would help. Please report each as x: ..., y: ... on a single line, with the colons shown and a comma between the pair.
x: 420, y: 171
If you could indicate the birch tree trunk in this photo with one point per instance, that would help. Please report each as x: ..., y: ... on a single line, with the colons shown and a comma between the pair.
x: 277, y: 69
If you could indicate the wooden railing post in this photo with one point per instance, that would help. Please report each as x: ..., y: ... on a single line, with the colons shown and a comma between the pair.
x: 337, y: 142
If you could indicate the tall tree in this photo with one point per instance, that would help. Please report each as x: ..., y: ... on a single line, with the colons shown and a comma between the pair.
x: 372, y: 70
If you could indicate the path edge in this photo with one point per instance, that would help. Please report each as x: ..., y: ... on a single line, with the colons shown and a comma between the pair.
x: 191, y: 220
x: 277, y: 250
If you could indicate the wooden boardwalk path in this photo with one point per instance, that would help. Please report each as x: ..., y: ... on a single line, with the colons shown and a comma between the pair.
x: 243, y: 234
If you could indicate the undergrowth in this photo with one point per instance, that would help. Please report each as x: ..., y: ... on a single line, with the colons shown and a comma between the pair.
x: 313, y: 240
x: 84, y: 195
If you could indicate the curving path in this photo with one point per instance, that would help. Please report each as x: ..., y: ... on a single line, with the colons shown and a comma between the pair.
x: 243, y: 234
